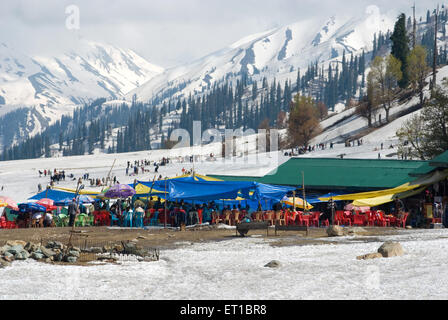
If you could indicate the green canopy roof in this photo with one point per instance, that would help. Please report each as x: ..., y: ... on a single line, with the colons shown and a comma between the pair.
x: 422, y: 170
x: 440, y: 161
x: 332, y: 173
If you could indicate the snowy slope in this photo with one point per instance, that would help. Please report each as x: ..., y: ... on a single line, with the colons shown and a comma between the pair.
x: 53, y: 85
x: 277, y: 53
x: 354, y: 124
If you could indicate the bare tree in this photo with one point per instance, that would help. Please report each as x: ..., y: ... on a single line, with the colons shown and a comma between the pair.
x: 303, y: 122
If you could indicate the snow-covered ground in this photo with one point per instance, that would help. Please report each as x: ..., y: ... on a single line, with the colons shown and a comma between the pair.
x: 235, y: 269
x: 20, y: 179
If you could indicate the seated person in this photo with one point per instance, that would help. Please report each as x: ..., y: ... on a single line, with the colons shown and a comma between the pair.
x: 193, y: 216
x: 206, y: 214
x: 36, y: 217
x: 22, y: 220
x: 48, y: 220
x: 247, y: 218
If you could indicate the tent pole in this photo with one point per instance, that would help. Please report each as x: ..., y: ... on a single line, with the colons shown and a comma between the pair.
x: 294, y: 200
x: 164, y: 224
x: 304, y: 197
x: 150, y: 192
x: 332, y: 210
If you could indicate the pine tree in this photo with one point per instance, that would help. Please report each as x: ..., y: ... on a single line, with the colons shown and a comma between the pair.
x: 400, y: 48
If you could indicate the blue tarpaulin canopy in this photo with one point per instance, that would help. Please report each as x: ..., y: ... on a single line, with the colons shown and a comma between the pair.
x: 271, y: 192
x: 82, y: 199
x: 61, y: 198
x: 31, y: 207
x: 54, y: 195
x: 218, y: 190
x: 159, y: 186
x: 208, y: 190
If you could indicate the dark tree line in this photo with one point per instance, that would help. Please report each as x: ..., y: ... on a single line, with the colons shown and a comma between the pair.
x: 236, y: 101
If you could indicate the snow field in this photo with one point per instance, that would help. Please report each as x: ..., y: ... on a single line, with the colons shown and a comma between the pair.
x: 235, y: 269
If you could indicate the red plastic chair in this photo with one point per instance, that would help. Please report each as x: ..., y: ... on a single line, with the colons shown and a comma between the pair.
x: 370, y: 218
x: 325, y: 223
x: 402, y: 222
x: 303, y: 221
x: 314, y: 220
x: 106, y: 218
x: 163, y: 216
x: 291, y: 217
x: 381, y: 219
x: 339, y: 217
x: 200, y: 215
x: 11, y: 225
x: 359, y: 220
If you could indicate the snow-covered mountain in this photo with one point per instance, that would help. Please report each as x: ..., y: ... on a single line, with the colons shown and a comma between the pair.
x: 276, y: 53
x: 53, y: 85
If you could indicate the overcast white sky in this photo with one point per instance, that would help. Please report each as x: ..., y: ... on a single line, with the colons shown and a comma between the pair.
x: 169, y: 32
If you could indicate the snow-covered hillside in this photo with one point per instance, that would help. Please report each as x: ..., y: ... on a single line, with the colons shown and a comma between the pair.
x: 53, y: 85
x: 347, y: 125
x: 277, y: 53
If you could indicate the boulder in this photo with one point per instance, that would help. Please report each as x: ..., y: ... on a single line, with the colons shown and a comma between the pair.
x: 408, y: 227
x: 273, y: 264
x: 71, y: 259
x: 58, y: 245
x: 4, y: 263
x: 391, y: 249
x: 31, y: 247
x: 73, y: 253
x: 47, y: 252
x: 50, y: 244
x: 37, y: 256
x: 370, y: 256
x: 13, y: 243
x: 335, y: 231
x: 16, y: 249
x: 75, y: 249
x: 8, y: 257
x: 131, y: 248
x: 4, y: 249
x: 59, y: 257
x: 23, y: 255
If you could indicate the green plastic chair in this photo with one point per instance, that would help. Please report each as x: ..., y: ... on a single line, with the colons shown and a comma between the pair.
x: 62, y: 221
x: 58, y: 222
x: 81, y: 220
x: 90, y: 221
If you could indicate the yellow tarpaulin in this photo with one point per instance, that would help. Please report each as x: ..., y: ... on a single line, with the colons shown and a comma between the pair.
x: 377, y: 201
x: 142, y: 189
x: 384, y: 194
x: 298, y: 203
x: 86, y: 192
x: 153, y: 198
